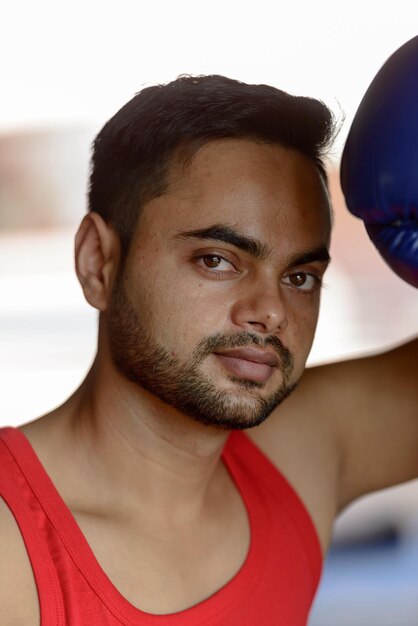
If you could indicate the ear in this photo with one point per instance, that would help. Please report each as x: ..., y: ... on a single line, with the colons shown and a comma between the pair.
x: 97, y: 251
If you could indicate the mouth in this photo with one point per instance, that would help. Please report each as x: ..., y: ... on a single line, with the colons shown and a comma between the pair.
x: 249, y: 363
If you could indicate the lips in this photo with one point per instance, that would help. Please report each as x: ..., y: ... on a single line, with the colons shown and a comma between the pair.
x: 249, y: 363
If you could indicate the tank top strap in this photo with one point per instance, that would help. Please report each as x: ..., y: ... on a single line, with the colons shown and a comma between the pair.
x: 254, y: 472
x: 29, y: 515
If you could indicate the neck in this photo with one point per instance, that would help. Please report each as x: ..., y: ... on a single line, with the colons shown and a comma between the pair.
x: 147, y: 455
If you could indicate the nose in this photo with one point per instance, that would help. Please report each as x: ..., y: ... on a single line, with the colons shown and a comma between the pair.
x: 262, y: 311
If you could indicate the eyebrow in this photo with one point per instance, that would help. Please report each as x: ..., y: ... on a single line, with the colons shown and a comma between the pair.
x: 319, y: 254
x: 260, y: 251
x: 226, y: 234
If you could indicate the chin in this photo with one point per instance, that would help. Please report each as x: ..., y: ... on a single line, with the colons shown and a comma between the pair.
x: 233, y: 411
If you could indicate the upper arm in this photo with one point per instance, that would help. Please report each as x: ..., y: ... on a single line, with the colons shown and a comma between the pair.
x: 371, y: 405
x: 19, y: 604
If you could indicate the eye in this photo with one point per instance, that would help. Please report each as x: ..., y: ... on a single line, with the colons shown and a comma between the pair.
x: 303, y: 281
x: 216, y: 262
x: 212, y: 260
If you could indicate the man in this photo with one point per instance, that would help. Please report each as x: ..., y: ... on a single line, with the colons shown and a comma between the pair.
x: 204, y: 251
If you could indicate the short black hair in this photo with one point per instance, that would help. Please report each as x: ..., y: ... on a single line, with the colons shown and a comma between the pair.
x: 133, y: 152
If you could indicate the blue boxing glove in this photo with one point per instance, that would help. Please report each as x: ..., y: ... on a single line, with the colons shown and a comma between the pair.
x: 379, y: 168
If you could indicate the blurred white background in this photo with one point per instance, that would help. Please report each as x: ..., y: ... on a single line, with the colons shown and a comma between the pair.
x: 65, y: 68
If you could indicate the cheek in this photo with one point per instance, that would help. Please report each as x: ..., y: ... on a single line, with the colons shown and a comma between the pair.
x: 302, y: 321
x: 177, y: 314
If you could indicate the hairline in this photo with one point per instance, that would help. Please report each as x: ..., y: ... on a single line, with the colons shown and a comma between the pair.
x: 183, y: 155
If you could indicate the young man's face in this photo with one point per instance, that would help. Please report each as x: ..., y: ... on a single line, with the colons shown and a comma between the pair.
x: 216, y: 309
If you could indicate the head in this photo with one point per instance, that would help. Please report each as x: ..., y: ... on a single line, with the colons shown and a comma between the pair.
x: 216, y: 194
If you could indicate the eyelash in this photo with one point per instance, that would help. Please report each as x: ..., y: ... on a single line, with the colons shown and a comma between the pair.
x: 317, y: 282
x: 213, y: 271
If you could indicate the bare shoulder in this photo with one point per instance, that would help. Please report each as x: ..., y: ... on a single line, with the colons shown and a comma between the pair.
x: 19, y: 604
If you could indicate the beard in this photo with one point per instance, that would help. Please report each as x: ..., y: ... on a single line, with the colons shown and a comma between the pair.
x: 142, y: 360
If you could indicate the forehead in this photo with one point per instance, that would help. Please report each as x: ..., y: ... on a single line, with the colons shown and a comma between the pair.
x: 266, y: 191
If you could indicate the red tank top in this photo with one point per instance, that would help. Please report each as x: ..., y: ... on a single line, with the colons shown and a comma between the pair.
x: 274, y: 587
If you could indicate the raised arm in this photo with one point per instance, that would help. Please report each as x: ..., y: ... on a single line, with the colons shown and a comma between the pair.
x: 370, y: 405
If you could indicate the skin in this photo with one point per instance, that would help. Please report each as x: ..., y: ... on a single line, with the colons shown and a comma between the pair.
x: 158, y: 492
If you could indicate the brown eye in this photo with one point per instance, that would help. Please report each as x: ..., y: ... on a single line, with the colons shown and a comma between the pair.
x: 217, y: 264
x: 211, y: 260
x: 298, y: 280
x: 303, y: 281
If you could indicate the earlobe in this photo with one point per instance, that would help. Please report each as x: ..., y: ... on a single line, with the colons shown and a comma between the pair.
x: 96, y: 259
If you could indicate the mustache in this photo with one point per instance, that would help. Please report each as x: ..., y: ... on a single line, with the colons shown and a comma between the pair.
x: 220, y: 341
